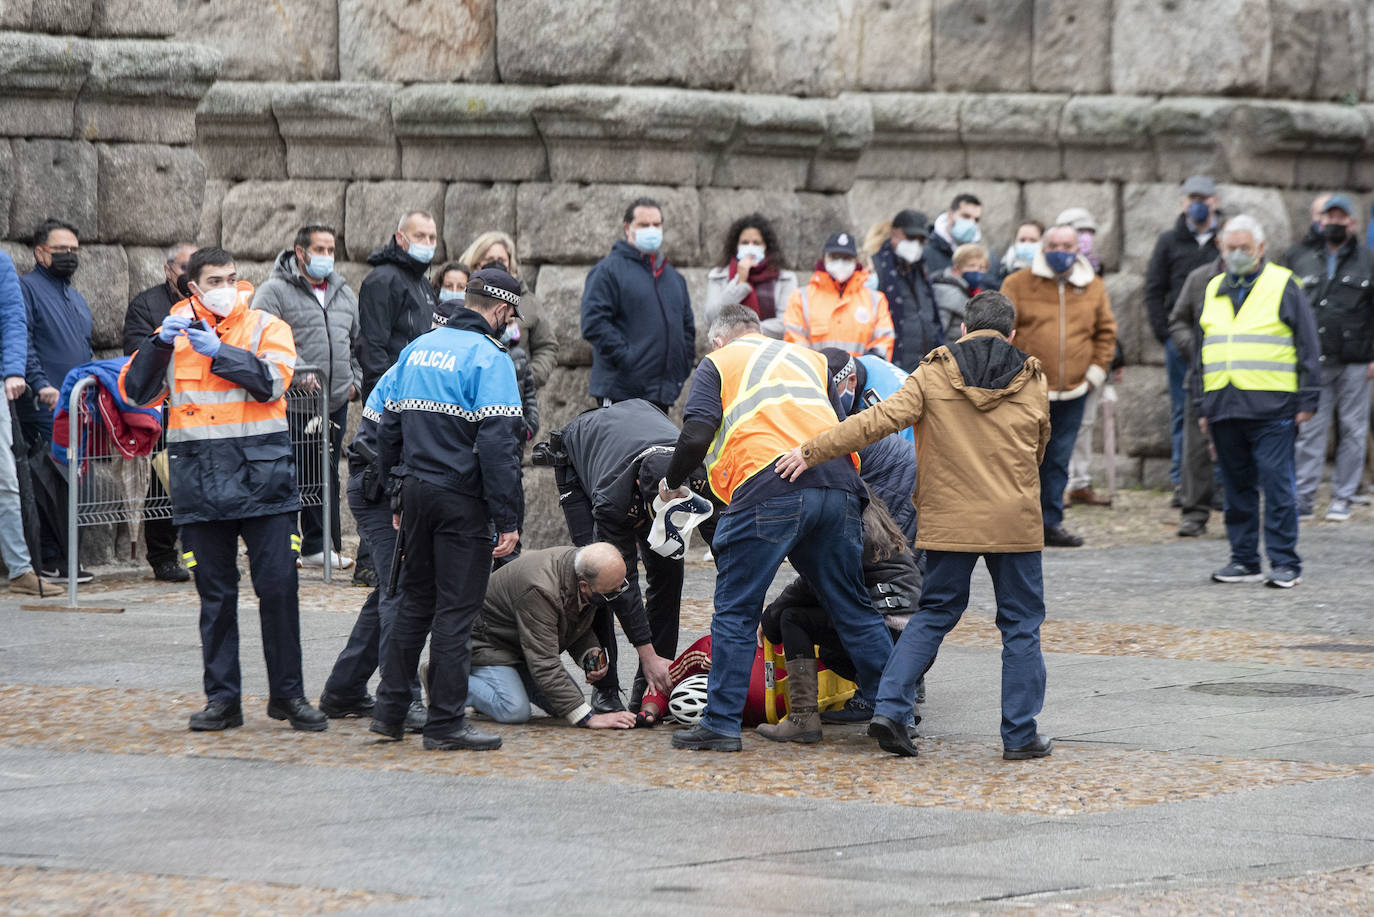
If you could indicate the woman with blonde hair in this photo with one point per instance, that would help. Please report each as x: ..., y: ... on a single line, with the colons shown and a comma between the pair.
x: 531, y: 333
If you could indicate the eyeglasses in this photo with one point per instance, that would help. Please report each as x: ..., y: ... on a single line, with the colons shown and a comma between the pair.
x: 605, y: 597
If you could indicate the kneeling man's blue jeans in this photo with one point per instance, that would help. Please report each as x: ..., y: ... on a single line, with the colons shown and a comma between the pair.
x: 1020, y: 591
x: 821, y: 531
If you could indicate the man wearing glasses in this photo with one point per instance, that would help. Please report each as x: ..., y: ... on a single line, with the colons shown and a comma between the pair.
x: 539, y: 606
x: 59, y: 340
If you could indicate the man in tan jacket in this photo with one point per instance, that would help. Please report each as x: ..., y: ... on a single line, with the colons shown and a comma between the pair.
x: 981, y: 414
x: 1063, y: 317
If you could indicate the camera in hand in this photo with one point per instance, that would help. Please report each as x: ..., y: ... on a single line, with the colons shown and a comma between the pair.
x: 594, y: 660
x: 550, y: 454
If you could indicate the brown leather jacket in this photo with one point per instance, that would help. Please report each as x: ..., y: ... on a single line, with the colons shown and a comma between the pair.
x: 1066, y: 323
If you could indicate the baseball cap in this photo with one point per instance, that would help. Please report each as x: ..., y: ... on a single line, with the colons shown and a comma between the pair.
x: 841, y: 243
x: 913, y: 223
x: 1200, y: 184
x: 497, y: 284
x: 1339, y: 202
x: 1079, y: 218
x: 443, y: 311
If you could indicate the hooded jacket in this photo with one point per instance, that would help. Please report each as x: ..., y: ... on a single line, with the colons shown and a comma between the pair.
x: 951, y: 298
x: 849, y: 316
x: 14, y: 322
x: 1065, y: 322
x: 981, y: 412
x: 637, y: 316
x: 395, y: 306
x: 325, y: 335
x: 1177, y: 253
x: 532, y: 614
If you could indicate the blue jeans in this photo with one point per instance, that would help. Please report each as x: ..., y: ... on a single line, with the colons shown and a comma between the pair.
x: 1177, y: 370
x: 503, y: 692
x: 371, y: 635
x: 1257, y: 455
x: 1020, y: 591
x: 821, y: 532
x: 1065, y: 418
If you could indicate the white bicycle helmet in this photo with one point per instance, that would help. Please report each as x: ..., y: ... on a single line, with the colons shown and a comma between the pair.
x: 688, y: 700
x: 674, y: 521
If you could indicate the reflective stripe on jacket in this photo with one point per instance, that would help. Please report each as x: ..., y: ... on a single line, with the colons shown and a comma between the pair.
x: 853, y: 318
x: 228, y: 444
x: 1250, y: 348
x: 773, y: 397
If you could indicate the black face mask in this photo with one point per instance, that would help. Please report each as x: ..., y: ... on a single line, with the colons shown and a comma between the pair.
x: 183, y: 287
x: 1335, y: 233
x: 63, y: 265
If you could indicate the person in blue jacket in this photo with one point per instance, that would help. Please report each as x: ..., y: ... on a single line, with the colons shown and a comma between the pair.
x: 637, y: 316
x: 453, y: 418
x: 59, y: 339
x: 878, y: 379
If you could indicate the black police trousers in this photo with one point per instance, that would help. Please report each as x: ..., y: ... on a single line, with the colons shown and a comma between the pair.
x: 444, y: 576
x: 212, y: 554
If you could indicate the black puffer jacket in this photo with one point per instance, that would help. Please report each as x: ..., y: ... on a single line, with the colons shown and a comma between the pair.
x: 1343, y: 304
x: 1175, y: 256
x: 145, y: 314
x: 888, y: 467
x: 911, y: 300
x: 395, y: 306
x: 894, y: 586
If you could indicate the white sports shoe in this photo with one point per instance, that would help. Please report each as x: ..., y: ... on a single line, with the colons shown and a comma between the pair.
x: 338, y: 561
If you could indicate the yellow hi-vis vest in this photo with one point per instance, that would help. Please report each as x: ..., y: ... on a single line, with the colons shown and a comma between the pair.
x: 1251, y: 349
x: 773, y: 397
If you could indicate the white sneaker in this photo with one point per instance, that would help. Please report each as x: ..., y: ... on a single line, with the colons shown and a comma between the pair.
x: 1362, y: 499
x: 1338, y: 511
x: 338, y: 561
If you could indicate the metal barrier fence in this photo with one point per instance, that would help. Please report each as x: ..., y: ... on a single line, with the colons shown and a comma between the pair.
x: 104, y: 488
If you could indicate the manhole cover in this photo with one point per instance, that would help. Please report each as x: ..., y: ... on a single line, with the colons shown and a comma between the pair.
x: 1269, y: 689
x: 1334, y: 647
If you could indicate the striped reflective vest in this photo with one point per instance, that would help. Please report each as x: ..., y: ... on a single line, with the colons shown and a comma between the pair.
x: 1250, y: 349
x: 773, y: 399
x: 853, y: 318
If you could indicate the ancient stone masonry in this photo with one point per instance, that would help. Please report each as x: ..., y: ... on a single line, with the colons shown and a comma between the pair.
x: 543, y: 120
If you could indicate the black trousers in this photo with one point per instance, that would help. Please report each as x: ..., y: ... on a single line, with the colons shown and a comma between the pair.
x: 306, y: 448
x: 444, y: 576
x: 661, y: 603
x: 214, y: 548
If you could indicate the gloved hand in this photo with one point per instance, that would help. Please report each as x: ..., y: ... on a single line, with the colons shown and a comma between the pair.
x: 203, y: 342
x: 172, y: 325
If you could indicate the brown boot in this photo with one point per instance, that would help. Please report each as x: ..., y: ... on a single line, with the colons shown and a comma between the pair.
x: 1086, y: 496
x: 803, y: 723
x: 32, y: 584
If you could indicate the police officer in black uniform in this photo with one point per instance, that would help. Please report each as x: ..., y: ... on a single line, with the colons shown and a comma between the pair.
x: 452, y: 418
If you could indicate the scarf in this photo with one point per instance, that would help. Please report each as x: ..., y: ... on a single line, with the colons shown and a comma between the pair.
x: 760, y: 281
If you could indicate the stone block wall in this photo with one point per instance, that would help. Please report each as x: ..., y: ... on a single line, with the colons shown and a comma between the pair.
x: 544, y: 120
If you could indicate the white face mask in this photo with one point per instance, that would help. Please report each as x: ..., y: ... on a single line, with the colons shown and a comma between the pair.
x: 749, y: 251
x: 909, y: 250
x: 840, y: 268
x: 220, y: 300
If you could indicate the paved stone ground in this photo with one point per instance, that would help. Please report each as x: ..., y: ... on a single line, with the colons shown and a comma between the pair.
x: 1214, y: 755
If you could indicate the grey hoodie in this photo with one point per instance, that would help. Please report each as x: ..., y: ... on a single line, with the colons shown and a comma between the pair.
x: 324, y: 334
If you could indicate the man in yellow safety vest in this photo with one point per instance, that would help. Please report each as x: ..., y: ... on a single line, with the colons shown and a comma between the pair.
x: 753, y: 400
x: 1256, y: 376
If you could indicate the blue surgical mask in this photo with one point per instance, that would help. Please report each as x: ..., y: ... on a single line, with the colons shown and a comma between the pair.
x: 871, y: 281
x: 452, y: 296
x: 847, y: 402
x: 964, y: 231
x: 1199, y: 213
x: 1060, y: 262
x: 648, y: 239
x: 1025, y: 251
x: 974, y: 278
x: 320, y: 266
x: 421, y: 253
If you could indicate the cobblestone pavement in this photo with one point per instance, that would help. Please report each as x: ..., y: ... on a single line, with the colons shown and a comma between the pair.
x: 1214, y: 755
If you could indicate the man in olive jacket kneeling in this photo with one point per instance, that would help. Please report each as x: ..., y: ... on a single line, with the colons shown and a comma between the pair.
x: 981, y: 412
x: 538, y: 607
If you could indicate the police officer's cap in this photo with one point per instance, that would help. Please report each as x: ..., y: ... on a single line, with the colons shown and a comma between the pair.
x: 841, y: 243
x: 495, y: 283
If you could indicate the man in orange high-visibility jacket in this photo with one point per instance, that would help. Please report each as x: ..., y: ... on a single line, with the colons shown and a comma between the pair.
x: 224, y: 369
x: 837, y: 309
x: 755, y: 399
